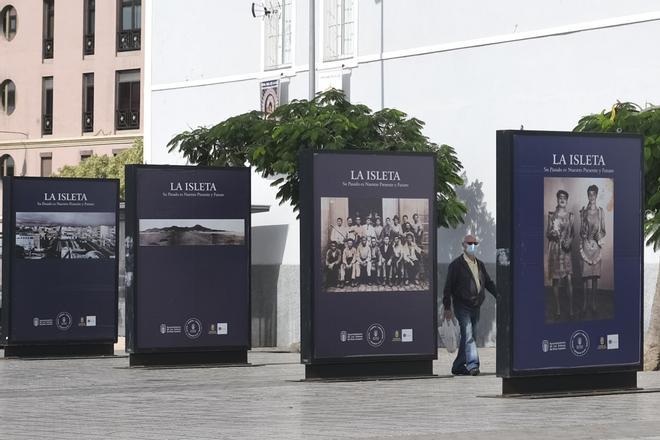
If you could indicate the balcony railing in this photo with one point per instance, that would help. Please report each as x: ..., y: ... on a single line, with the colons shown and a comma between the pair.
x: 127, y: 119
x: 88, y: 45
x: 88, y: 122
x: 47, y: 124
x: 48, y: 48
x: 128, y: 40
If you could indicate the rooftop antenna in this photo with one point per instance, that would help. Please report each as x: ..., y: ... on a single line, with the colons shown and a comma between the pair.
x: 265, y: 10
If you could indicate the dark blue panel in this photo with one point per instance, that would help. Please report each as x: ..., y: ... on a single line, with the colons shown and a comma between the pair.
x: 64, y: 267
x: 192, y: 289
x: 609, y: 336
x: 343, y: 319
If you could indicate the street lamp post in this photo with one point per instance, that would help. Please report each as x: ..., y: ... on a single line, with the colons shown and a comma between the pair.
x: 312, y: 50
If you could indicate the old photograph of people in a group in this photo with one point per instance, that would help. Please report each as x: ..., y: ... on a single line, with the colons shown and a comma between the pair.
x: 375, y: 244
x: 578, y: 248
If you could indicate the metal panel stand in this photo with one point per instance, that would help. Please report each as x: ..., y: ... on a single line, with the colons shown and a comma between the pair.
x: 369, y: 370
x: 174, y: 359
x: 66, y: 350
x: 563, y: 384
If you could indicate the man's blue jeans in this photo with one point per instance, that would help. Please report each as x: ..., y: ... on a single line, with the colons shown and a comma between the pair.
x: 467, y: 358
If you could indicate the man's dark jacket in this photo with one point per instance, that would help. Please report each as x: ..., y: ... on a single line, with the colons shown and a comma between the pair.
x: 461, y: 288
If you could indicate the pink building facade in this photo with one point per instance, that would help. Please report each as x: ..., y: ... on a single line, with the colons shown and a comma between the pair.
x: 70, y: 82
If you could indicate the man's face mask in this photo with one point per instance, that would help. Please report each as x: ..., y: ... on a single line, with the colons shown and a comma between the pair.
x: 471, y: 248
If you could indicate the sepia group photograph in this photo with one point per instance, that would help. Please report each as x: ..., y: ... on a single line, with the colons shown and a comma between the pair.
x: 192, y: 232
x: 65, y: 235
x: 578, y: 249
x: 375, y: 244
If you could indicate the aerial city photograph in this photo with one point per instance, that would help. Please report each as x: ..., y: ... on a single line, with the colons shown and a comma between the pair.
x: 64, y: 235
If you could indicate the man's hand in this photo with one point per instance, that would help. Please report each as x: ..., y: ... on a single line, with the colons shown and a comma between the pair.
x: 448, y: 314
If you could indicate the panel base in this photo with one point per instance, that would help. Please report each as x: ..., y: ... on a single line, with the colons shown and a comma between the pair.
x: 564, y: 384
x: 68, y: 350
x: 190, y: 358
x: 364, y: 370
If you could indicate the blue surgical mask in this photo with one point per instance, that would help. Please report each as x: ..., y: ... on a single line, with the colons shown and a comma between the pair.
x: 471, y: 249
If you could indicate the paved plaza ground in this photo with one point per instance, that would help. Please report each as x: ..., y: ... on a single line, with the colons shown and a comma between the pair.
x: 104, y: 399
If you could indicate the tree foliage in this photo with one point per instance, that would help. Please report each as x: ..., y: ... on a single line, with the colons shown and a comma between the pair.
x: 328, y: 122
x: 105, y: 167
x: 627, y: 117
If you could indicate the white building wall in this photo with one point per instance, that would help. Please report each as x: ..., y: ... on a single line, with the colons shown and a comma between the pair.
x: 465, y: 68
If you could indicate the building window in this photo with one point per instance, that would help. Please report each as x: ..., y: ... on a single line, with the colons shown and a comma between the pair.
x: 6, y: 166
x: 47, y: 105
x: 129, y: 23
x: 88, y: 103
x: 128, y: 100
x: 49, y: 28
x: 339, y: 29
x: 8, y: 22
x: 85, y: 154
x: 277, y: 36
x: 8, y: 96
x: 89, y: 27
x: 46, y: 164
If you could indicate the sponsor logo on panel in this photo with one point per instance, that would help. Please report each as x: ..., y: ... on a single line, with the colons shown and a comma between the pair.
x: 346, y: 336
x: 406, y: 335
x: 579, y: 343
x: 193, y: 328
x: 63, y: 321
x: 169, y: 329
x: 613, y: 342
x: 375, y: 335
x: 550, y: 346
x: 87, y: 321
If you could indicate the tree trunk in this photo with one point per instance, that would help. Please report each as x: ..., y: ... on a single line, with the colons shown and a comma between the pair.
x: 652, y: 337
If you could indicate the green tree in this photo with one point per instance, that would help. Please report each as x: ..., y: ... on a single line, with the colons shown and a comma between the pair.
x: 328, y: 122
x: 627, y: 117
x: 105, y: 167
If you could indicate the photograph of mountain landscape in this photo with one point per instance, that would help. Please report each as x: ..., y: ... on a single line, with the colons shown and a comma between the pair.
x: 192, y: 232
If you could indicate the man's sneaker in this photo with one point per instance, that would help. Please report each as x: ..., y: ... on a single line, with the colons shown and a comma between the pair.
x: 474, y: 372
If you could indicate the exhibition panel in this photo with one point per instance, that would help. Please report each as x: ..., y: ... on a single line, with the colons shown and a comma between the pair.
x: 60, y: 266
x: 187, y: 263
x: 368, y: 257
x: 570, y: 253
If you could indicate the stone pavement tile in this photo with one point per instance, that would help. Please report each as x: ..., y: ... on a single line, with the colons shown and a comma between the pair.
x: 102, y: 398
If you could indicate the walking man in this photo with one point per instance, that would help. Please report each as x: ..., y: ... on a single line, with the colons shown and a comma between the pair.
x: 467, y: 281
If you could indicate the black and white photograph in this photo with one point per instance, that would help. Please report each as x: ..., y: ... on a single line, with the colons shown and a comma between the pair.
x: 192, y: 232
x: 65, y: 235
x: 375, y: 244
x: 578, y: 251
